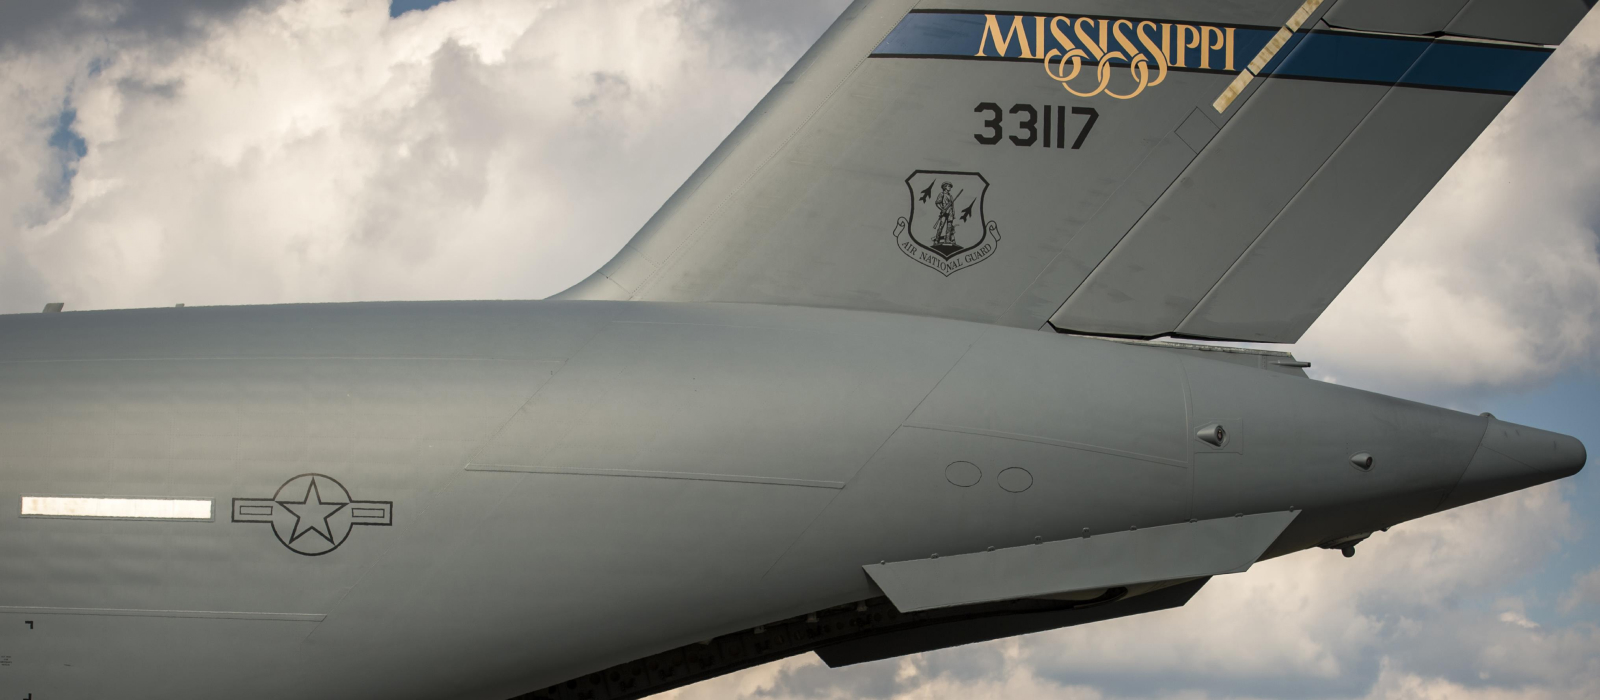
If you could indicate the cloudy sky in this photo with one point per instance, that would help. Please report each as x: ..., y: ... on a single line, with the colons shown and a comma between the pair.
x: 154, y: 152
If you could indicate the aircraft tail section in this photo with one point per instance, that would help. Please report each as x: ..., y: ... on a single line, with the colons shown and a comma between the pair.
x: 1207, y: 169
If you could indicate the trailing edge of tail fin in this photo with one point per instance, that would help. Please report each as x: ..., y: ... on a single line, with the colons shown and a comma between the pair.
x: 1205, y: 168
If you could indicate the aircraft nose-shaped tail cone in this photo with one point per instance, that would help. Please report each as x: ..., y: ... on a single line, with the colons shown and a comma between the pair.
x: 1514, y: 457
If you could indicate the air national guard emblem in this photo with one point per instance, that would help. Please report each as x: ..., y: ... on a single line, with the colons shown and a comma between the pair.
x: 312, y: 514
x: 946, y: 229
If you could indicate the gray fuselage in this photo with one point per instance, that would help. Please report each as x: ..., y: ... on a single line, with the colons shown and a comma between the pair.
x: 574, y: 485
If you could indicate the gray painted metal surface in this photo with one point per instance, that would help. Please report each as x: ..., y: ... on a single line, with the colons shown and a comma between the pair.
x: 1183, y: 246
x: 1165, y: 553
x: 591, y: 498
x: 1332, y: 226
x: 1417, y: 17
x: 493, y: 583
x: 1177, y: 212
x: 827, y: 192
x: 1531, y: 21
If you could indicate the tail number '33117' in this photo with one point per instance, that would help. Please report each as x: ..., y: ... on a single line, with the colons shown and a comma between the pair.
x: 1045, y: 125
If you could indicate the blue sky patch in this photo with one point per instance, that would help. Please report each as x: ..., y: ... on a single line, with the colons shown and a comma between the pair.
x: 400, y: 7
x: 64, y: 139
x: 70, y: 148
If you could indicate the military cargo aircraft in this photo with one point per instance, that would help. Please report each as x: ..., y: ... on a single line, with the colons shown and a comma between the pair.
x: 894, y: 371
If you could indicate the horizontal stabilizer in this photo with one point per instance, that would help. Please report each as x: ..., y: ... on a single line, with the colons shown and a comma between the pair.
x: 1166, y: 553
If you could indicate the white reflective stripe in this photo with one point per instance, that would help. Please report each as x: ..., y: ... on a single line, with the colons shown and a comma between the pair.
x: 126, y: 508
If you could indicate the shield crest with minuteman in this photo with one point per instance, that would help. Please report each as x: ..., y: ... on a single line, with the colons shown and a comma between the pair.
x: 946, y: 228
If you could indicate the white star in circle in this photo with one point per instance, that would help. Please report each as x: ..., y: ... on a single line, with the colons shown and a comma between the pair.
x: 311, y: 514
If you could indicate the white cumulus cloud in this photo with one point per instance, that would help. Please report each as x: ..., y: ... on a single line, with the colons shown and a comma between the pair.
x: 1494, y: 281
x: 320, y: 151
